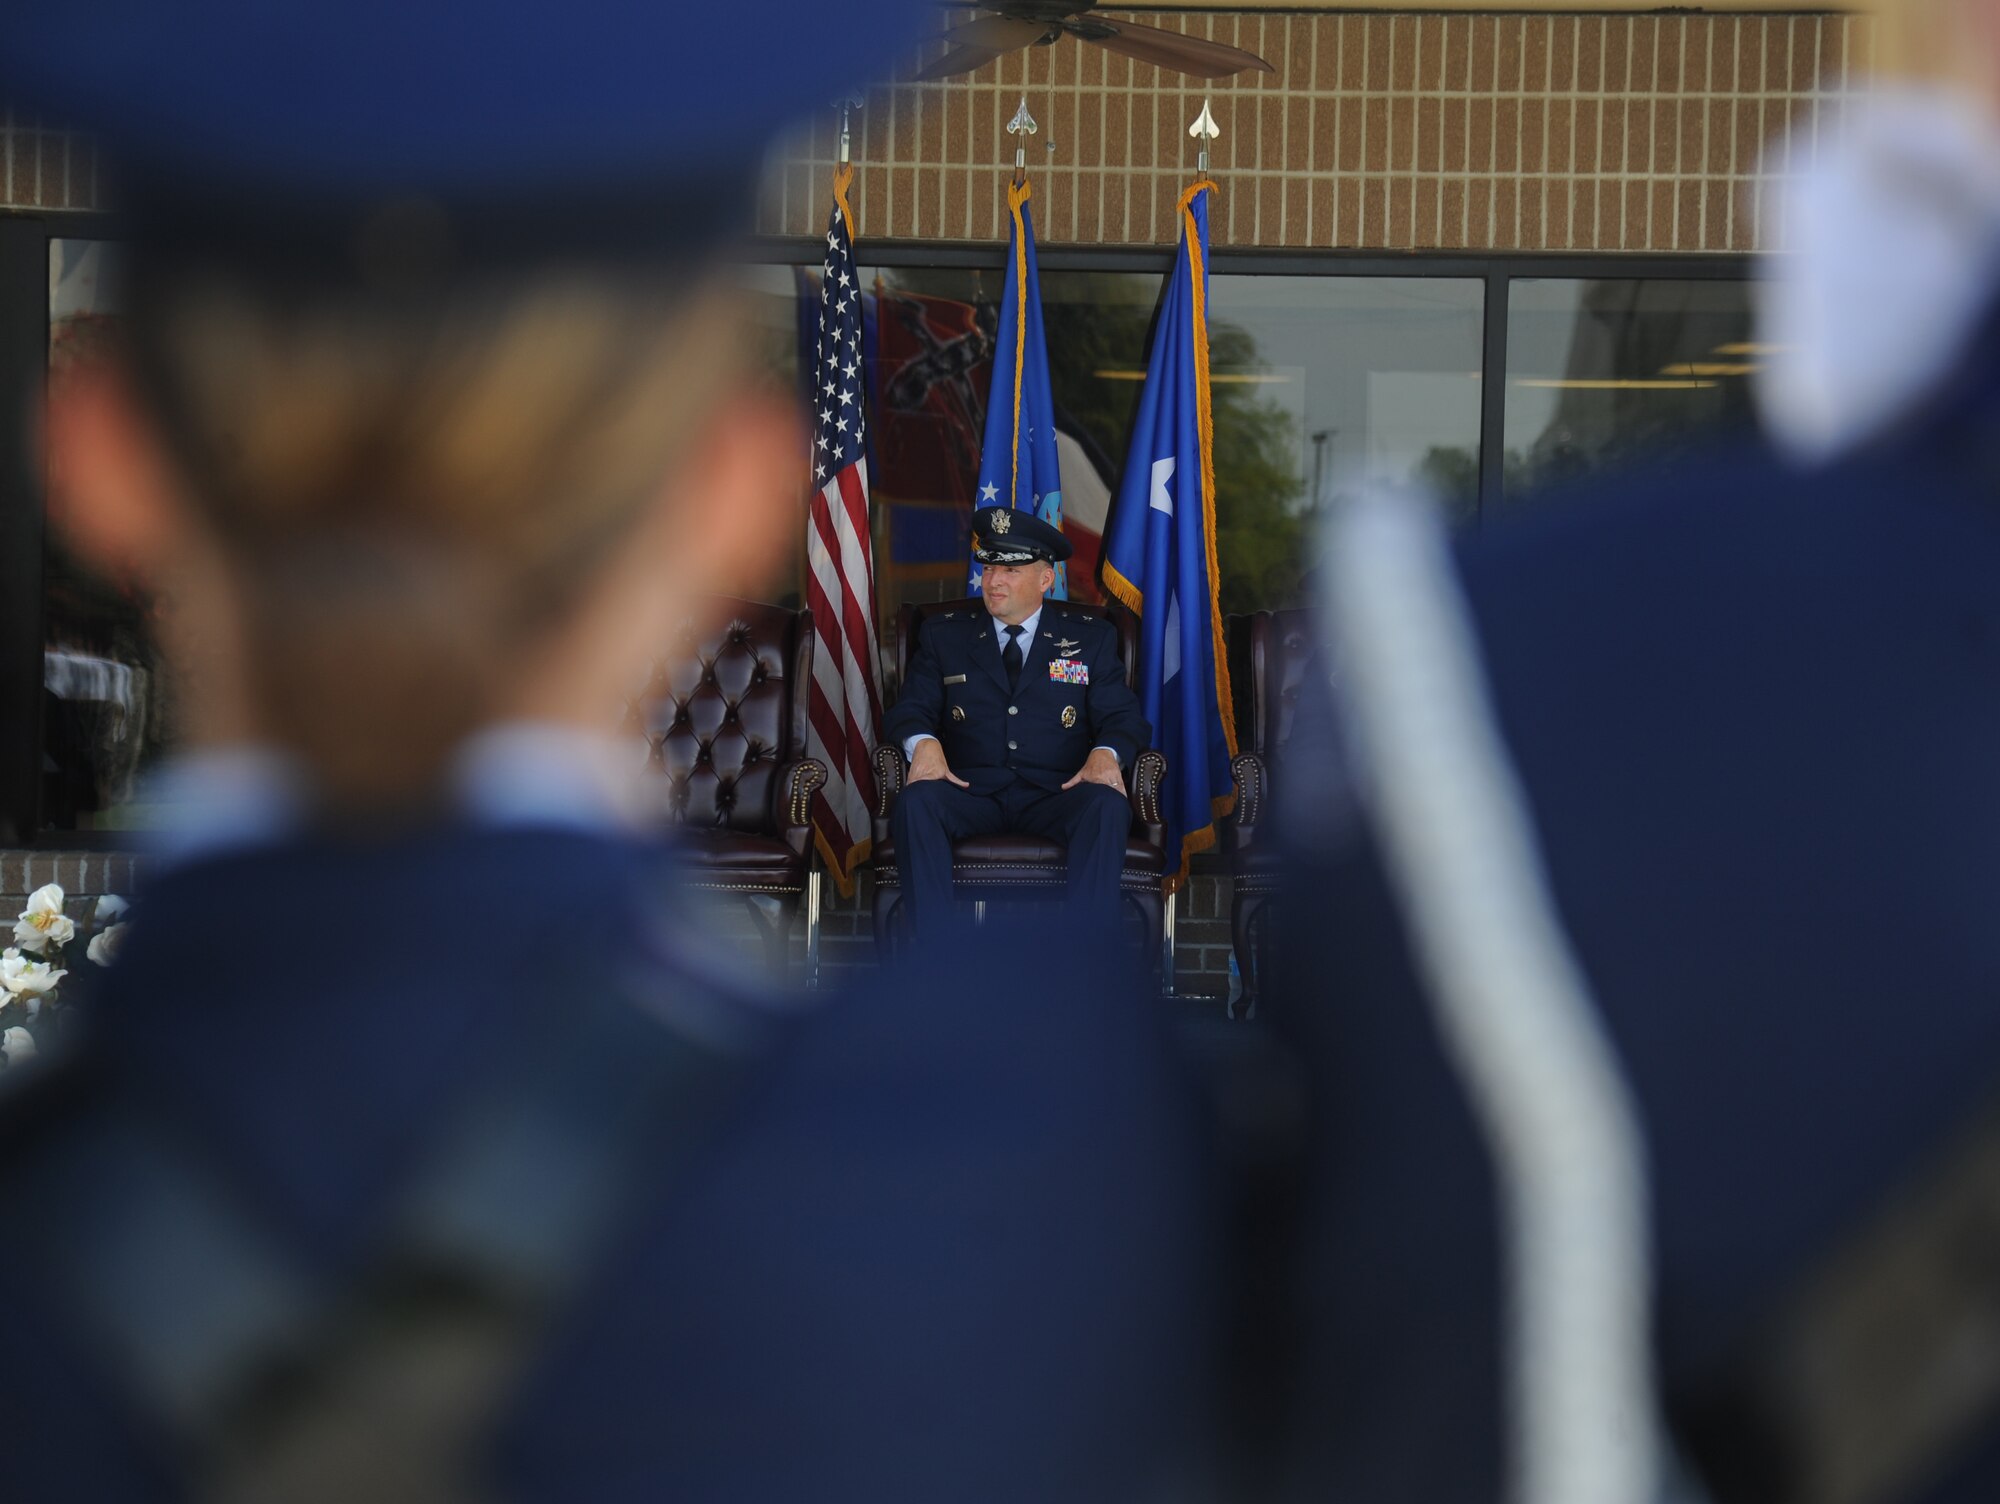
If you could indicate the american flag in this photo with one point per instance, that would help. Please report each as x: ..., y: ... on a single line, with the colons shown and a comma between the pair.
x: 840, y: 569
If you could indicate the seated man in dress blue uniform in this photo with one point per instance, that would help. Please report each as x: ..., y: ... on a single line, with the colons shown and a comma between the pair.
x: 1017, y: 720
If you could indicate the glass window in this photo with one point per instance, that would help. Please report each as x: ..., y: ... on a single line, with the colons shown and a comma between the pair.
x: 108, y: 701
x: 778, y: 298
x: 1614, y: 372
x: 1320, y: 384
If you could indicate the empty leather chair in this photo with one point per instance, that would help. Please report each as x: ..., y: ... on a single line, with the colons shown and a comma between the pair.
x: 1278, y: 649
x: 724, y: 719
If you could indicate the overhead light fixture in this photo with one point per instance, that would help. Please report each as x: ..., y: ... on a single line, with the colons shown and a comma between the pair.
x: 1746, y: 347
x: 1620, y: 384
x: 1710, y: 368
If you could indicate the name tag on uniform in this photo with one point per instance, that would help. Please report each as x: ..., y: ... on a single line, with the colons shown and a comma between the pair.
x: 1069, y: 670
x: 954, y: 678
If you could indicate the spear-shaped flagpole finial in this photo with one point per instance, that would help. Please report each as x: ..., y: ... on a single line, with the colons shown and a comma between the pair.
x: 1020, y: 128
x: 1204, y: 130
x: 847, y: 102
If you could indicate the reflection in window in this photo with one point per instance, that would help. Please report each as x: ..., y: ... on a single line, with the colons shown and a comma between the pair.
x: 1620, y: 372
x: 107, y: 704
x: 1320, y: 385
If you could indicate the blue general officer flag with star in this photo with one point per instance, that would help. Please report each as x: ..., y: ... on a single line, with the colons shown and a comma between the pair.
x: 1017, y: 461
x: 1159, y: 558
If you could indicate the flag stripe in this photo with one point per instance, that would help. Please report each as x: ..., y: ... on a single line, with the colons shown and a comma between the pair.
x: 843, y: 703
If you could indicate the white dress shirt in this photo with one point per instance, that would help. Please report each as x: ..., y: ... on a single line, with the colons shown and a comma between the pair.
x: 508, y: 774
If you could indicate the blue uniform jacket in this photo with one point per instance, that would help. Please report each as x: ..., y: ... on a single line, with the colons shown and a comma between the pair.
x: 925, y: 1252
x: 1756, y: 714
x: 1072, y: 697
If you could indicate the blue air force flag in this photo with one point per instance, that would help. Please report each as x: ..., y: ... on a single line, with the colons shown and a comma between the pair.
x: 1017, y: 462
x: 1159, y: 557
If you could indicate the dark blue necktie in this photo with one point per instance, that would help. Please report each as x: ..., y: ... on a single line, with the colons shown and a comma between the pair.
x: 1011, y: 656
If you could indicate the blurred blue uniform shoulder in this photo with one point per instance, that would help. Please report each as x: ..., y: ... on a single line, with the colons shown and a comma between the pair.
x: 1754, y: 712
x: 931, y: 1246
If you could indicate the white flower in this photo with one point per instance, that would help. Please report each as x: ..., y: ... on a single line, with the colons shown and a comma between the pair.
x: 104, y: 944
x: 16, y: 1045
x: 42, y: 923
x: 110, y: 908
x: 27, y: 979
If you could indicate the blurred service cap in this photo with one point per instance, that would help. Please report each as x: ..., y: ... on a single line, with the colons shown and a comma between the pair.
x: 280, y: 135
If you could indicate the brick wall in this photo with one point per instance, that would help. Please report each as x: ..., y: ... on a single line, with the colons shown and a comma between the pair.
x: 1383, y: 131
x: 1379, y: 130
x: 847, y: 937
x: 86, y: 875
x: 42, y: 168
x: 847, y: 940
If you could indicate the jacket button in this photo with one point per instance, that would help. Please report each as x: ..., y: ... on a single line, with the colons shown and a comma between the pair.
x: 1013, y: 710
x: 1013, y: 746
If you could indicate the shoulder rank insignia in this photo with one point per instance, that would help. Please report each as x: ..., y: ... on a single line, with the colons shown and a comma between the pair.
x: 1069, y: 670
x: 1069, y: 715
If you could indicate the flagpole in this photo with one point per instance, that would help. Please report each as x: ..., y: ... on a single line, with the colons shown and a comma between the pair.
x: 848, y: 102
x: 844, y: 705
x: 815, y: 857
x: 1204, y: 130
x: 1020, y: 128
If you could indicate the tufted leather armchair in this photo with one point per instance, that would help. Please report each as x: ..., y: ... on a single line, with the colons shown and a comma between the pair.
x: 1279, y: 649
x: 1010, y: 863
x: 724, y: 720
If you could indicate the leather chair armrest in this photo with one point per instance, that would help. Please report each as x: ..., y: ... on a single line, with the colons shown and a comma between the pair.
x: 888, y: 779
x: 792, y: 786
x: 1252, y: 788
x: 888, y: 784
x: 1149, y: 771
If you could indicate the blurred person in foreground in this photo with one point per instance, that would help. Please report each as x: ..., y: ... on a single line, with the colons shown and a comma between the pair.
x: 1645, y: 960
x: 414, y: 1149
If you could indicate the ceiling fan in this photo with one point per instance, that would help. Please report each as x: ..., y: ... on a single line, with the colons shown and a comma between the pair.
x: 1041, y: 23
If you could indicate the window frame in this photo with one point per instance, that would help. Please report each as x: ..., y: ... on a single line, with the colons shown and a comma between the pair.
x: 24, y: 344
x: 1496, y: 272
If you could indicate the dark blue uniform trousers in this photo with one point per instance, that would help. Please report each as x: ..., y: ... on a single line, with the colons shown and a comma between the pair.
x: 1090, y: 821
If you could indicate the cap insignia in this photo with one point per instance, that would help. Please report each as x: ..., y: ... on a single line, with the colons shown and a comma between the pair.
x: 1001, y: 522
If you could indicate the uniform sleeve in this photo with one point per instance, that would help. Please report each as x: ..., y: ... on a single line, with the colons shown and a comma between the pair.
x: 1115, y: 718
x: 919, y: 707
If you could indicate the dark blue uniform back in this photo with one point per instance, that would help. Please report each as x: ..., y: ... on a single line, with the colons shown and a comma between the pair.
x: 940, y: 1242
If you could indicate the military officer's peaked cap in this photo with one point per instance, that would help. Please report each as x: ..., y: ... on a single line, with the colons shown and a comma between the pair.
x: 257, y: 136
x: 1001, y: 535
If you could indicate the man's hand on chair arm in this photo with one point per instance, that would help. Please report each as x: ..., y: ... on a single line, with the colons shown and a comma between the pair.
x: 1100, y: 767
x: 927, y: 762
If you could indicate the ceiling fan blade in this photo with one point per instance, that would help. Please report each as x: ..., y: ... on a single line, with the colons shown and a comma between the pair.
x: 978, y: 42
x: 956, y: 61
x: 1171, y: 49
x: 1000, y: 33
